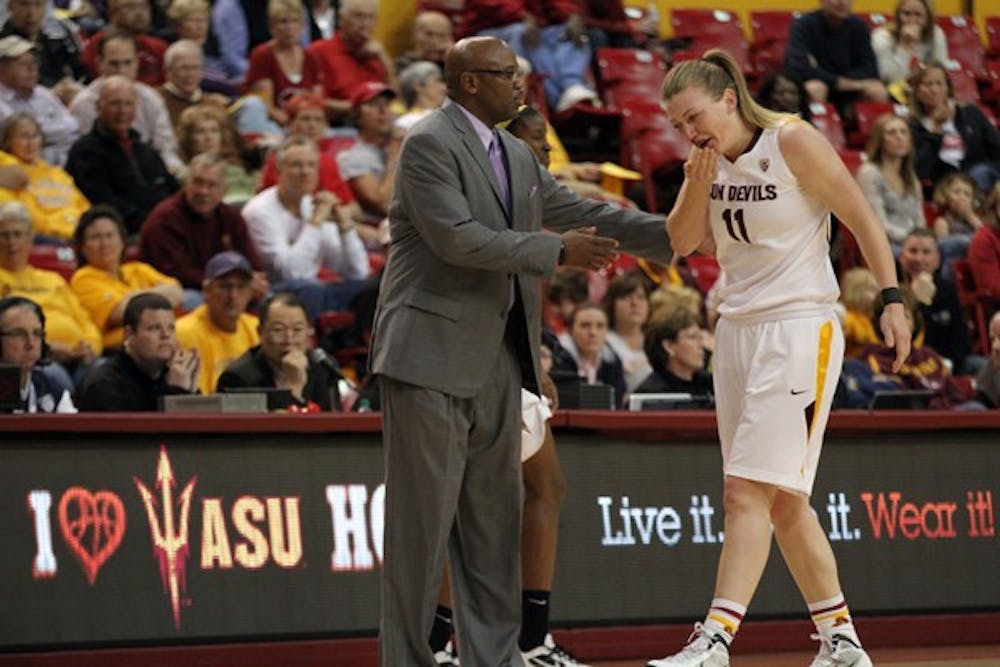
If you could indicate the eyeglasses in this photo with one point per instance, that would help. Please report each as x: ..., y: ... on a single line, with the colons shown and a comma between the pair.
x: 23, y: 334
x: 278, y: 332
x: 505, y: 74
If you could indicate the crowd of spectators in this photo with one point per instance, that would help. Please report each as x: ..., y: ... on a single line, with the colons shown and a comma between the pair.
x: 227, y: 161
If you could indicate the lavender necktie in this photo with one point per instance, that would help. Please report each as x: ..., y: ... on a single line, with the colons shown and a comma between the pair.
x: 496, y: 159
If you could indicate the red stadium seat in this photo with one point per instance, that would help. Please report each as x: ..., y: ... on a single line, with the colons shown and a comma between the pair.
x: 705, y: 270
x: 964, y: 82
x: 975, y: 305
x: 770, y: 35
x: 627, y: 74
x: 826, y: 119
x: 875, y: 19
x: 852, y: 159
x: 651, y: 145
x: 53, y: 258
x: 964, y: 43
x: 866, y: 113
x: 710, y: 29
x: 993, y: 36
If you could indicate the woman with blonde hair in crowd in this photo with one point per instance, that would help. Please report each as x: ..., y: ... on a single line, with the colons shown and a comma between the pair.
x: 105, y: 282
x: 858, y: 290
x: 910, y: 40
x: 50, y: 195
x: 759, y: 190
x: 280, y: 68
x: 889, y: 181
x: 206, y: 128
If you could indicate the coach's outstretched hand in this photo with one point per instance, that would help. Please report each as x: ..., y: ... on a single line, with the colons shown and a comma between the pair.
x: 586, y: 250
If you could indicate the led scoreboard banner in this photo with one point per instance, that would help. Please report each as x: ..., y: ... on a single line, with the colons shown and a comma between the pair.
x: 148, y: 529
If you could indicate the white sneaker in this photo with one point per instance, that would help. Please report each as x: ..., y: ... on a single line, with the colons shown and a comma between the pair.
x: 447, y: 656
x: 549, y: 654
x: 702, y: 650
x: 840, y: 652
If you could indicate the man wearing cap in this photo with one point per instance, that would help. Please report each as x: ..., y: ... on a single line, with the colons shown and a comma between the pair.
x: 299, y: 231
x: 20, y: 92
x: 59, y: 66
x: 352, y: 56
x: 369, y: 166
x: 186, y: 229
x: 220, y: 329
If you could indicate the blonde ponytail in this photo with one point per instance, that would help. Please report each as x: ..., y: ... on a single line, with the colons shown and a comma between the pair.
x: 715, y: 71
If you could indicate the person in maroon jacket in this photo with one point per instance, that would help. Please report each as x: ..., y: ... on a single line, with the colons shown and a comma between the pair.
x: 551, y: 34
x: 184, y: 231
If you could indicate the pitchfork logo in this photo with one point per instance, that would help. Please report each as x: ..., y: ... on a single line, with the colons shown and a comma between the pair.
x: 170, y: 541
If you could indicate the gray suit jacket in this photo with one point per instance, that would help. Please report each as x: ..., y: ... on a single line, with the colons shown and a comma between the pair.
x: 443, y: 302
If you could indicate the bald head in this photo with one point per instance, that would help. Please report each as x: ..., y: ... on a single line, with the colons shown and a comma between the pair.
x: 482, y: 76
x: 116, y: 104
x: 432, y: 36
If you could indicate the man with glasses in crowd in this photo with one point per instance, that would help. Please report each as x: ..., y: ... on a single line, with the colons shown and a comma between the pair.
x: 286, y: 359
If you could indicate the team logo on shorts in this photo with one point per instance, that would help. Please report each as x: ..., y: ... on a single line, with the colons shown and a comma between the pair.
x: 765, y: 163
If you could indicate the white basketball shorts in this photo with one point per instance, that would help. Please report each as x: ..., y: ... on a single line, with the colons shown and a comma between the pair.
x: 774, y: 383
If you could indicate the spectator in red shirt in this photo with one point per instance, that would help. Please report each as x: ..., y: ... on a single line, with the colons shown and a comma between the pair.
x: 352, y: 56
x: 134, y: 16
x: 186, y: 230
x: 280, y: 68
x: 984, y: 249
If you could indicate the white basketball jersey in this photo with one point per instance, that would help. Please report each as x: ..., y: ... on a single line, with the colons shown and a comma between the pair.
x: 772, y: 240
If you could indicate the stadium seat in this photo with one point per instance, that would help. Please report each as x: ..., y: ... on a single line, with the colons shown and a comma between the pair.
x: 964, y: 44
x: 866, y: 113
x: 963, y: 81
x: 651, y: 145
x: 626, y: 74
x: 826, y: 119
x: 705, y: 29
x: 975, y: 305
x: 875, y: 19
x: 852, y: 159
x: 705, y: 270
x: 991, y: 93
x: 993, y: 36
x: 53, y: 258
x: 770, y: 35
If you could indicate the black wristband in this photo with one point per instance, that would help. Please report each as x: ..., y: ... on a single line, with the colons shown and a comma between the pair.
x: 891, y: 295
x: 562, y: 253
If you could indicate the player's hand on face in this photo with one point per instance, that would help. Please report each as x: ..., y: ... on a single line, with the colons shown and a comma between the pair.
x: 702, y: 166
x: 586, y: 250
x: 896, y: 332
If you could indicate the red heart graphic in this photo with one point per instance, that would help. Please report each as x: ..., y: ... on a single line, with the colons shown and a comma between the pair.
x: 95, y: 528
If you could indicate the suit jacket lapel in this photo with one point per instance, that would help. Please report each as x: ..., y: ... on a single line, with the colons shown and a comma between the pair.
x: 478, y: 152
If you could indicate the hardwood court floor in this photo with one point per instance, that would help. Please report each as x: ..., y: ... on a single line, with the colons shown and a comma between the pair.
x: 939, y: 656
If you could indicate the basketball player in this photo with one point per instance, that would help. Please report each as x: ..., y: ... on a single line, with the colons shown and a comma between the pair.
x: 758, y: 189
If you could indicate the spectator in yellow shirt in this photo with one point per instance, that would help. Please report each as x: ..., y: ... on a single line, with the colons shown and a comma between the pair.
x: 51, y: 196
x: 220, y: 329
x: 104, y: 282
x: 74, y: 338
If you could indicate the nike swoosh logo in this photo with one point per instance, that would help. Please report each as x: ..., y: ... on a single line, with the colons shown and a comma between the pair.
x: 796, y: 393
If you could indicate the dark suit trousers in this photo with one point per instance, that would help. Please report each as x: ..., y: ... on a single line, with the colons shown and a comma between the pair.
x: 453, y: 481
